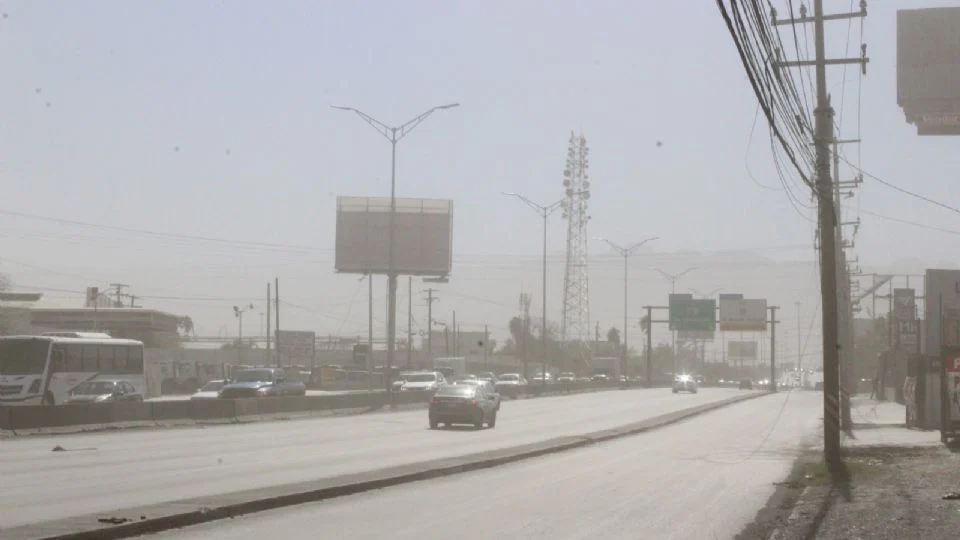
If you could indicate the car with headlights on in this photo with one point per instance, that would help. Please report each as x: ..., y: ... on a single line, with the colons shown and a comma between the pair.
x: 685, y: 383
x: 261, y: 382
x: 104, y: 391
x: 473, y: 404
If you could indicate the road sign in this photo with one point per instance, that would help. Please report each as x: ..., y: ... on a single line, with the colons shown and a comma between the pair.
x: 743, y: 315
x: 695, y: 335
x: 687, y: 313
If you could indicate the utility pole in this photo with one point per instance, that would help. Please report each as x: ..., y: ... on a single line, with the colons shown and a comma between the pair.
x: 799, y: 347
x: 276, y: 306
x: 773, y: 348
x: 827, y: 222
x: 649, y: 346
x: 409, y: 322
x: 430, y: 301
x: 118, y: 293
x: 847, y: 384
x: 269, y: 355
x: 486, y: 347
x: 456, y: 335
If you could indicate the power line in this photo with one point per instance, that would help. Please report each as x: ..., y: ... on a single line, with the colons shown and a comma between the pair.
x: 900, y: 189
x: 912, y: 223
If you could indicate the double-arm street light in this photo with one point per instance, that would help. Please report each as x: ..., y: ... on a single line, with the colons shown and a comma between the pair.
x: 707, y: 295
x: 238, y: 312
x: 673, y: 290
x: 626, y: 252
x: 543, y: 211
x: 394, y: 134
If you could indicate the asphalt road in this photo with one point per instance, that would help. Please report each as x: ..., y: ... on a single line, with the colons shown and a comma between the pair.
x: 105, y: 471
x: 702, y: 478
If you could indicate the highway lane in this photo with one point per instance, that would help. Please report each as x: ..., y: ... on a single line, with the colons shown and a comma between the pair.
x: 702, y: 478
x: 110, y: 470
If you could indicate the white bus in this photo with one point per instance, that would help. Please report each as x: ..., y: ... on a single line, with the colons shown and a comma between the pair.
x: 42, y: 370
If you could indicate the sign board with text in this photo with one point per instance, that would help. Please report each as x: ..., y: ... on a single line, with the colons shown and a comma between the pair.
x: 905, y: 320
x: 953, y: 386
x: 941, y: 309
x: 743, y: 315
x: 688, y: 313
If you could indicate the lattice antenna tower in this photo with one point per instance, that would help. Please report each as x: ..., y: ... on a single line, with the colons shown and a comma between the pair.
x: 575, y: 325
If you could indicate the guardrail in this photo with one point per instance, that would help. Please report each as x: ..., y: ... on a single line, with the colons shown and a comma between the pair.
x: 40, y: 418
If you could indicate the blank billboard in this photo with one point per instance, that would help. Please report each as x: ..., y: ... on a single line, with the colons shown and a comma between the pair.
x: 928, y: 69
x: 422, y: 243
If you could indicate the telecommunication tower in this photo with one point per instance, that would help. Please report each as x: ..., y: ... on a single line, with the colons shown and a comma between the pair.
x: 575, y: 324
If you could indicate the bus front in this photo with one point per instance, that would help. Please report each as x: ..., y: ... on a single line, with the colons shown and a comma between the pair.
x: 24, y: 370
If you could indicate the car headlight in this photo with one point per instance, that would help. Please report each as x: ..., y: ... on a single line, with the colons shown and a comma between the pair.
x: 35, y: 387
x: 263, y: 391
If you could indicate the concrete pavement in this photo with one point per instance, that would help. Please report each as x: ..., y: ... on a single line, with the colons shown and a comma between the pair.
x: 702, y: 478
x: 106, y: 471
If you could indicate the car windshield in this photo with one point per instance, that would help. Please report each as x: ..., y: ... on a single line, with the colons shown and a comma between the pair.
x: 509, y: 377
x: 94, y: 388
x: 421, y: 377
x: 457, y: 391
x: 472, y: 382
x: 255, y: 375
x: 212, y: 386
x: 23, y: 357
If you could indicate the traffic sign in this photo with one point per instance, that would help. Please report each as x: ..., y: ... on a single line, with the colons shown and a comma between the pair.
x: 687, y: 313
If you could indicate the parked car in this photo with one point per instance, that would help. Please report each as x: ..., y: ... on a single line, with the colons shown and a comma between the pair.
x: 487, y: 376
x: 566, y: 377
x: 745, y: 384
x: 542, y: 378
x: 261, y: 382
x: 463, y: 404
x: 599, y: 377
x: 685, y: 383
x: 398, y: 382
x: 511, y: 384
x: 104, y: 391
x: 423, y: 381
x: 211, y: 390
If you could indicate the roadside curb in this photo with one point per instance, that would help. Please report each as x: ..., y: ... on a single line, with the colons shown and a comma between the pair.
x: 206, y: 509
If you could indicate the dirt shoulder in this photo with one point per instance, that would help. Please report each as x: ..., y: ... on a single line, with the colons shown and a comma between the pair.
x: 891, y: 492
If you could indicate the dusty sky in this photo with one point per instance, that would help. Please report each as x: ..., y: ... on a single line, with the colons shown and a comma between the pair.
x: 163, y: 122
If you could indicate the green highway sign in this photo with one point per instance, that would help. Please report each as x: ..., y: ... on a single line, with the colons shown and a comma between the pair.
x: 689, y: 314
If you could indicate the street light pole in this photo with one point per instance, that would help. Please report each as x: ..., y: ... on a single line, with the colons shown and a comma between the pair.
x: 393, y: 134
x: 626, y: 252
x: 544, y: 211
x: 238, y: 313
x: 673, y: 290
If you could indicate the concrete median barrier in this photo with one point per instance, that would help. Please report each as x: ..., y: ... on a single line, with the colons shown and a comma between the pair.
x: 129, y: 414
x: 5, y: 418
x: 167, y: 413
x: 246, y: 409
x: 213, y: 411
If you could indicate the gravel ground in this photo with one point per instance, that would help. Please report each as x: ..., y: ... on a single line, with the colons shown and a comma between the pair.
x: 891, y: 493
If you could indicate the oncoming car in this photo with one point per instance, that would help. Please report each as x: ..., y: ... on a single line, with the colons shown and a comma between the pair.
x: 685, y: 383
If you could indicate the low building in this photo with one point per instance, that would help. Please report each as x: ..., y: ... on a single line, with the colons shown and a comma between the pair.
x: 156, y: 329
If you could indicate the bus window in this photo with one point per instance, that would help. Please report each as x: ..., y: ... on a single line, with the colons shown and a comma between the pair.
x: 120, y: 359
x: 74, y: 358
x: 135, y: 360
x: 105, y: 353
x: 90, y: 362
x: 58, y: 359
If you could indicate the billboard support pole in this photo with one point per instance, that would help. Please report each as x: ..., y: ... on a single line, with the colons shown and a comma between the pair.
x: 276, y: 292
x: 369, y: 361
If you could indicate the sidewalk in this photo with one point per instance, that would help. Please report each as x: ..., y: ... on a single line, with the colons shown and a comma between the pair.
x: 896, y: 480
